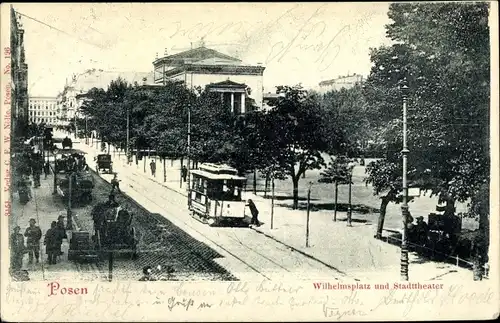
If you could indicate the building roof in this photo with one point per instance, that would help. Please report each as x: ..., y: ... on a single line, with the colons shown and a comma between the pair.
x: 227, y: 83
x: 195, y: 55
x: 101, y: 79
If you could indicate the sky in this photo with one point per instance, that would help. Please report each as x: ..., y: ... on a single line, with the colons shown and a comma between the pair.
x: 297, y: 43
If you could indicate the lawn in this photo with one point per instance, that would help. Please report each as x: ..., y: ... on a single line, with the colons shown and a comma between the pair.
x: 365, y: 204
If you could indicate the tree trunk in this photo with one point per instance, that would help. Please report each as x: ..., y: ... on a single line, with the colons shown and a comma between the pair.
x: 164, y: 170
x: 266, y: 185
x: 180, y: 172
x: 381, y: 217
x: 295, y: 181
x: 255, y: 181
x: 336, y: 200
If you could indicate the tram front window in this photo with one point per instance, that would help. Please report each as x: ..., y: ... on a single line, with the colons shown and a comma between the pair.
x: 225, y: 192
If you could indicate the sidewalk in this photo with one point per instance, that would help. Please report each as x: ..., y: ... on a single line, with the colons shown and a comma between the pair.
x: 351, y: 250
x: 45, y: 208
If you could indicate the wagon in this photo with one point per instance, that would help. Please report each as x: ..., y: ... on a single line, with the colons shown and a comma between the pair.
x: 104, y: 163
x: 114, y: 231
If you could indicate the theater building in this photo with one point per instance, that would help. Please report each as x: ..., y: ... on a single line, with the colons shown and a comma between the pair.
x: 237, y: 83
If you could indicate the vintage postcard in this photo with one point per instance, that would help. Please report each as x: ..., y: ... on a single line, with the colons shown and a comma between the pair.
x: 249, y: 161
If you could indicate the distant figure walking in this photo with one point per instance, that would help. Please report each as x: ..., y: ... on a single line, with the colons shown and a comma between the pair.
x: 17, y: 249
x: 254, y: 211
x: 33, y: 235
x: 52, y: 243
x: 184, y: 172
x: 152, y: 165
x: 61, y: 230
x: 46, y: 169
x: 115, y: 183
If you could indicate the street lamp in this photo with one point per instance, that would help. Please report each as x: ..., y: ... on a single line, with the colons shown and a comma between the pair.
x: 404, y: 206
x: 189, y: 154
x: 350, y: 167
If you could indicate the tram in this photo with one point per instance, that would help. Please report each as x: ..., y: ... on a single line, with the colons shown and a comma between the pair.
x: 215, y: 194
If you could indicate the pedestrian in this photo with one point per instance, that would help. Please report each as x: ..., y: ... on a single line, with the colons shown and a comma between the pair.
x: 52, y: 243
x: 254, y: 211
x: 33, y: 235
x: 61, y: 230
x: 17, y: 249
x: 36, y: 170
x: 184, y: 172
x: 46, y: 169
x: 115, y: 183
x: 153, y: 167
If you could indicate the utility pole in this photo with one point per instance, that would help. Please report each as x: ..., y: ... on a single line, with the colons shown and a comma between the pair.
x: 86, y: 131
x: 307, y: 217
x: 272, y: 202
x: 404, y: 206
x: 69, y: 224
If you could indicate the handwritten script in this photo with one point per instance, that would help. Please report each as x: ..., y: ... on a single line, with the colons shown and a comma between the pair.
x: 304, y: 41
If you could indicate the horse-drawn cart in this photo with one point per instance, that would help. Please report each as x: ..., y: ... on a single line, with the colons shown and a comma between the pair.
x: 113, y: 230
x: 104, y: 163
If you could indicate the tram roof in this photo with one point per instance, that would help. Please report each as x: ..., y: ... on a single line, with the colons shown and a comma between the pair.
x: 213, y: 176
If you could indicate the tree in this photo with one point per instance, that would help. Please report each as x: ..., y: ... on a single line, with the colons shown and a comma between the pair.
x: 347, y: 128
x: 443, y: 52
x: 336, y: 173
x: 295, y: 128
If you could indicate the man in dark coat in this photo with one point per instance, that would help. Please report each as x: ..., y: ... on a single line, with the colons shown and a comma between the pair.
x: 46, y: 169
x: 17, y: 249
x: 36, y: 169
x: 152, y: 165
x: 115, y: 184
x: 52, y: 243
x: 255, y: 213
x: 184, y: 172
x: 33, y: 235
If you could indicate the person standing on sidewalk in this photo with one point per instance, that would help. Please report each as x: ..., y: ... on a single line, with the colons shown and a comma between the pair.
x: 36, y: 170
x: 17, y: 249
x: 52, y: 243
x: 46, y: 169
x: 184, y: 172
x: 153, y: 167
x: 61, y: 231
x: 33, y: 235
x: 254, y: 211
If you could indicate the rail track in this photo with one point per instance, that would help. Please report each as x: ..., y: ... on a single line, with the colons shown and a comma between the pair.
x: 251, y: 255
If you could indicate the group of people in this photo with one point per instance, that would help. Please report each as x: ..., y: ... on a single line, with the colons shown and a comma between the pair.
x: 33, y: 234
x: 418, y: 232
x: 29, y: 164
x: 74, y: 163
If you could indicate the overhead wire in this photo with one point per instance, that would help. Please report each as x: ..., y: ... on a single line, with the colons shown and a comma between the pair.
x: 60, y: 30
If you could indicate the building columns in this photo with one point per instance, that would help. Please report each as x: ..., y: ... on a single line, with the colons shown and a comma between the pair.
x: 243, y: 103
x: 232, y: 102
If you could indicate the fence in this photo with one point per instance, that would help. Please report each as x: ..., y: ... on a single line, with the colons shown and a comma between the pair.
x: 457, y: 260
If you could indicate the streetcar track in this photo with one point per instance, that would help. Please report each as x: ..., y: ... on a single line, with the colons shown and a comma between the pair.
x: 144, y: 188
x: 218, y: 245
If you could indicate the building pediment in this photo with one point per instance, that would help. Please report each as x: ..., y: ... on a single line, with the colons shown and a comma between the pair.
x: 194, y: 55
x: 227, y: 83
